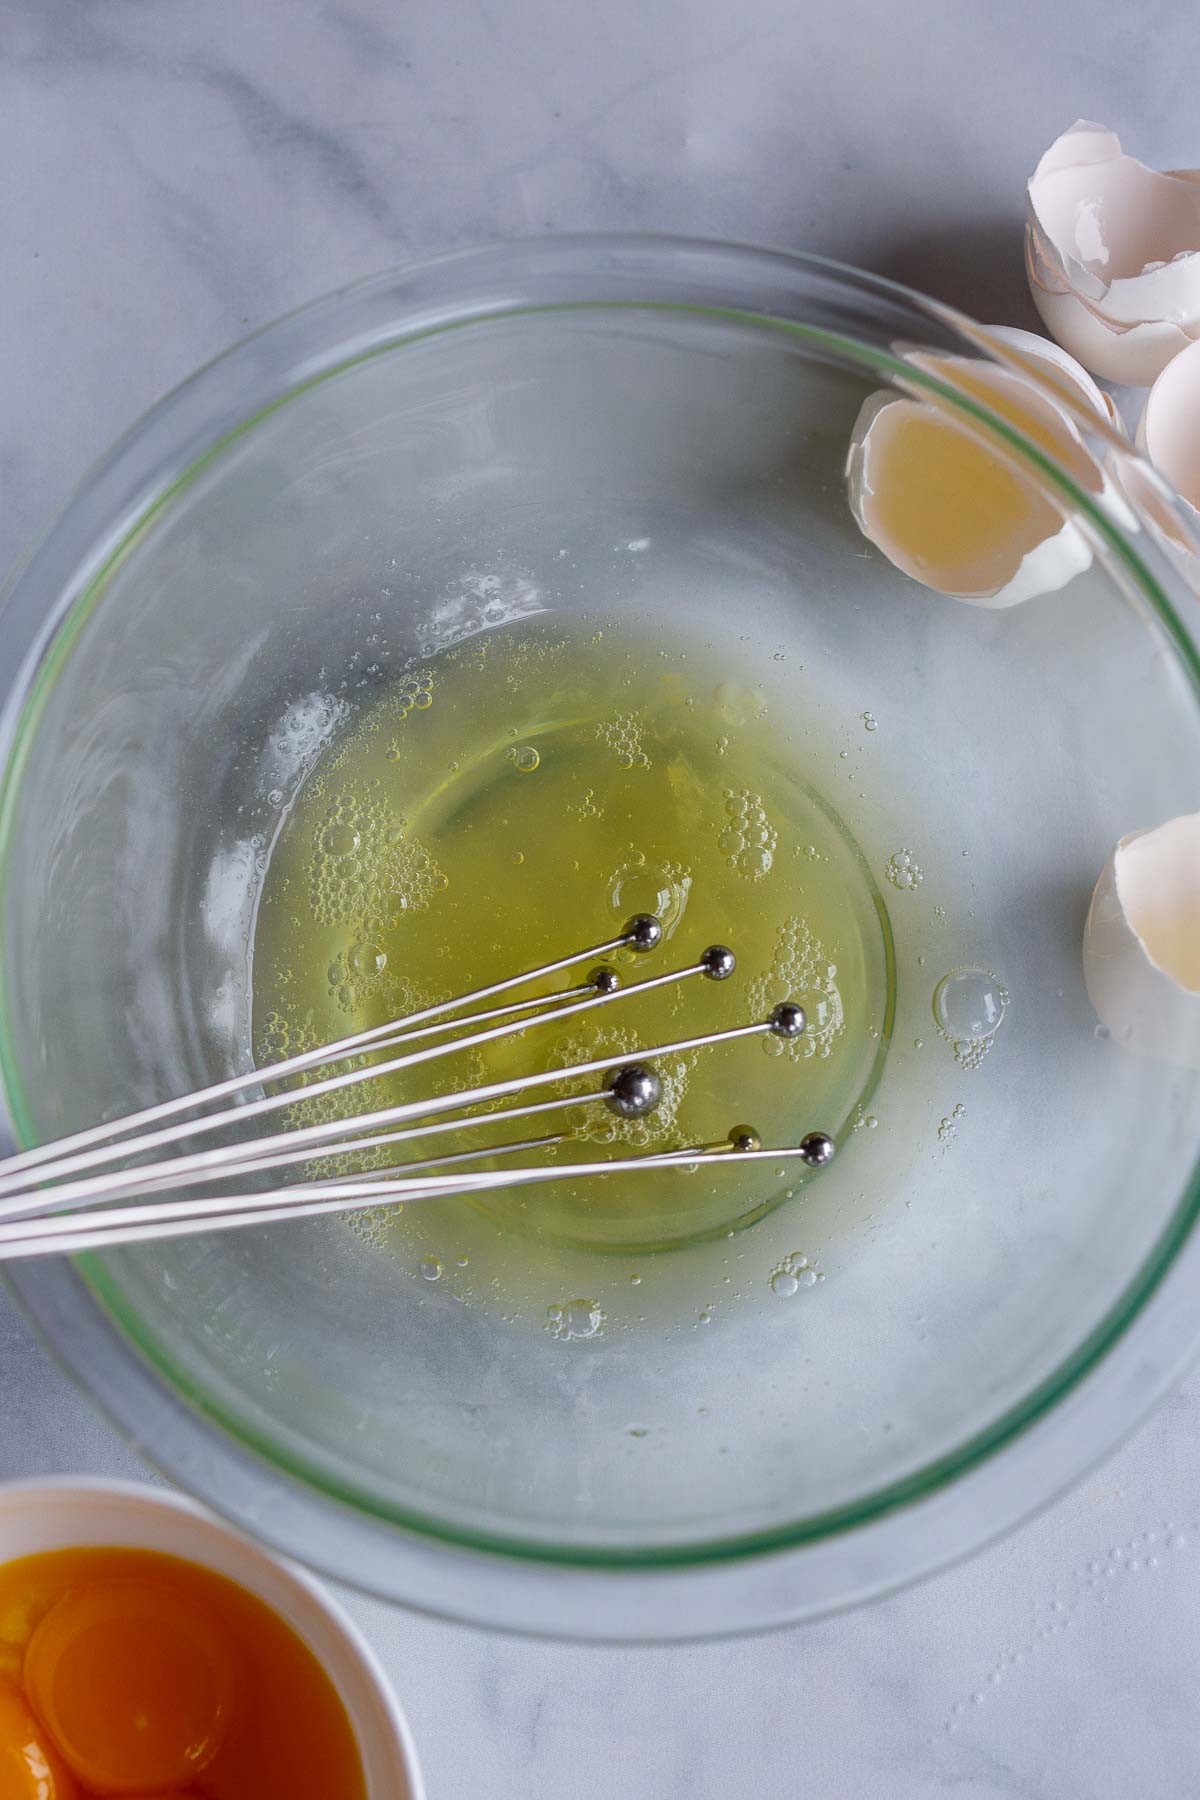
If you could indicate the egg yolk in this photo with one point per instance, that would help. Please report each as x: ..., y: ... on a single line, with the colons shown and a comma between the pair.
x: 134, y: 1683
x: 29, y: 1768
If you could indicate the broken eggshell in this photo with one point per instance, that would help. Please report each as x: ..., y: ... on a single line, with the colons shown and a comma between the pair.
x: 1047, y: 360
x: 1141, y: 943
x: 1169, y: 430
x: 956, y: 513
x: 1112, y: 253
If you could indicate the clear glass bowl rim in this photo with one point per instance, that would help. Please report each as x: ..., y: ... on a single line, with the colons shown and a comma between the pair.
x: 943, y: 1510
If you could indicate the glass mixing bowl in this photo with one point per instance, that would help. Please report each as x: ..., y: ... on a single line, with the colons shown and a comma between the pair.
x: 1008, y: 1254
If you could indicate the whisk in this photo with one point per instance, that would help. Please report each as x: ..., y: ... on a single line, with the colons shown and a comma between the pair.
x: 93, y: 1190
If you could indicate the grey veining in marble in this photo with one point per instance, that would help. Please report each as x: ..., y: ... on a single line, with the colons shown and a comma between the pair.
x: 176, y: 172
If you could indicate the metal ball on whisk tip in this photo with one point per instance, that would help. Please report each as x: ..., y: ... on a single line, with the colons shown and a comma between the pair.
x: 817, y: 1148
x: 643, y: 932
x: 718, y: 962
x: 744, y: 1138
x: 633, y: 1091
x: 788, y: 1020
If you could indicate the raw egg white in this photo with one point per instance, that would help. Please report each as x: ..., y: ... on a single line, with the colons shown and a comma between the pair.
x: 1141, y: 945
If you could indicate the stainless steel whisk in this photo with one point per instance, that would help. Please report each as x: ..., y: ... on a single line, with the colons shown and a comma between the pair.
x: 88, y: 1191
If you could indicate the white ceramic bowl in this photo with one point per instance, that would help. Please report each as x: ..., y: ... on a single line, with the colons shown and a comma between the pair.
x: 60, y: 1515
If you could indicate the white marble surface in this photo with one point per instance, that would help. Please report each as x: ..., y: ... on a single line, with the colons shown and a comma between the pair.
x: 175, y: 172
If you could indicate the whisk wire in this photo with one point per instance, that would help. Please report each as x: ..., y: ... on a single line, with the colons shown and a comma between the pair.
x: 175, y: 1133
x: 257, y: 1157
x: 65, y: 1198
x: 305, y: 1137
x: 637, y: 935
x: 108, y: 1230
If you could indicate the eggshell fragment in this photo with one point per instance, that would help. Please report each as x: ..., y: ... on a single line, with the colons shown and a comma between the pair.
x: 950, y: 510
x: 1141, y: 943
x: 1045, y: 359
x: 1112, y: 252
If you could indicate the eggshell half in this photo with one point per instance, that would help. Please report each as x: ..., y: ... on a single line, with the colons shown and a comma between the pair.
x: 1169, y: 431
x: 1141, y: 943
x: 948, y: 509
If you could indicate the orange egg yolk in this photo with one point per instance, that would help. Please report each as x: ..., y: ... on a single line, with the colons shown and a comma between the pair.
x: 135, y: 1685
x: 29, y: 1767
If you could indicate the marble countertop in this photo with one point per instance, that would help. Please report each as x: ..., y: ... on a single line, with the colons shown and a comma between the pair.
x: 172, y: 175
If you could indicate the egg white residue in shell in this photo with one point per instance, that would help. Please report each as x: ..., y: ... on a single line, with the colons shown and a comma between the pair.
x: 1067, y: 379
x: 1141, y: 944
x: 1112, y: 252
x: 952, y: 509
